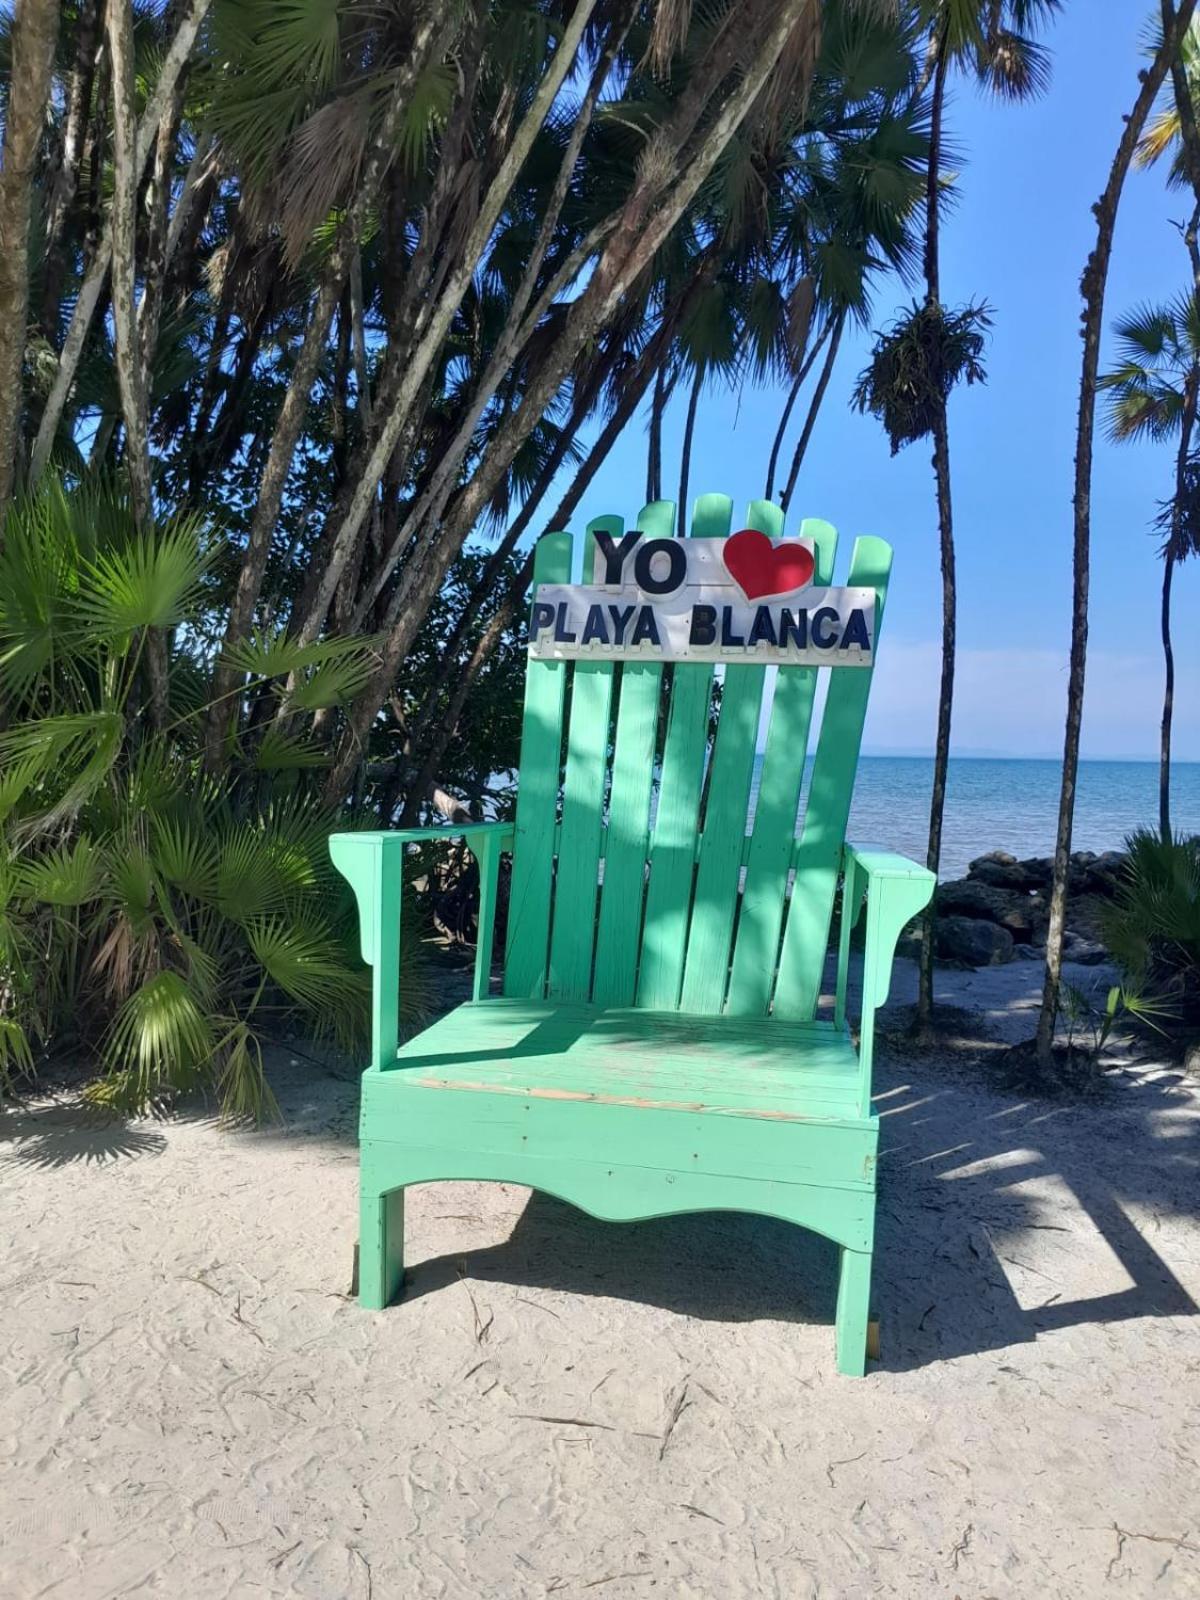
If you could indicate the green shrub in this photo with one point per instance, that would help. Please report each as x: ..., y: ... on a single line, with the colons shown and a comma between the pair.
x: 157, y: 923
x: 1152, y: 927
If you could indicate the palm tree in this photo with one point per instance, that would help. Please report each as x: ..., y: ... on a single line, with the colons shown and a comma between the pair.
x: 927, y: 352
x: 1152, y: 395
x: 1092, y: 286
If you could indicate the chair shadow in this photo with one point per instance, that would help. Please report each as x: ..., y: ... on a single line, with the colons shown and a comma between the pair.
x: 952, y: 1213
x: 715, y: 1266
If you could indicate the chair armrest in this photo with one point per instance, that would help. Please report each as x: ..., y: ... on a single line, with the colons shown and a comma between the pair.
x: 895, y: 889
x: 372, y: 864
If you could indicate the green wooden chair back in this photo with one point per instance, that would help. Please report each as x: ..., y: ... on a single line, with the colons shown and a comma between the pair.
x: 634, y: 880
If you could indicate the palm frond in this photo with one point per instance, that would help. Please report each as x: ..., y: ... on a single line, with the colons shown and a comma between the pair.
x: 70, y: 875
x: 62, y: 760
x: 277, y: 751
x: 275, y: 654
x: 153, y: 582
x: 160, y: 1042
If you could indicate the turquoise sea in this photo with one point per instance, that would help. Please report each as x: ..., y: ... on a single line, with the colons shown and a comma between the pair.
x: 994, y: 804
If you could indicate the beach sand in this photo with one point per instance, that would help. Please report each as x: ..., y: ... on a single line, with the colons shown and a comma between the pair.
x: 192, y: 1406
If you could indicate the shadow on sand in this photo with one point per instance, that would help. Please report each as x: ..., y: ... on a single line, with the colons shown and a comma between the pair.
x: 964, y: 1180
x: 968, y: 1178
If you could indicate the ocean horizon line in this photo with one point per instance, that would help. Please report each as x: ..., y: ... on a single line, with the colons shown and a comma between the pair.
x: 1002, y: 755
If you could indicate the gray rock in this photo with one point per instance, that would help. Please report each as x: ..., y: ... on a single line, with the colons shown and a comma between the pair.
x: 973, y: 941
x: 1000, y: 857
x: 1024, y: 915
x: 1083, y: 952
x: 1001, y: 871
x: 1102, y: 874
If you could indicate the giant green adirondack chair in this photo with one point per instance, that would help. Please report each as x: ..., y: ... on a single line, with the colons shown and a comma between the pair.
x: 656, y: 1048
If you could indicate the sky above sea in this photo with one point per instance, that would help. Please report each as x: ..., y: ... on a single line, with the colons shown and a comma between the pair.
x: 1017, y: 236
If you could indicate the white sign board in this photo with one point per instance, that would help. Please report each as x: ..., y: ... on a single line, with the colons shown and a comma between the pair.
x: 745, y: 598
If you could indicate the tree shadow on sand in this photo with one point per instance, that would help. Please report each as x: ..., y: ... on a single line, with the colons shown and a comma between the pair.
x: 66, y: 1133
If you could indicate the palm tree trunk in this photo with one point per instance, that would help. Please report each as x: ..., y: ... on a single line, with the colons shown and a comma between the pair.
x: 793, y: 396
x: 585, y: 399
x: 945, y: 508
x: 941, y: 754
x: 289, y: 424
x: 34, y: 35
x: 158, y: 206
x: 1092, y: 286
x: 685, y: 458
x: 506, y: 612
x: 442, y: 304
x: 634, y: 233
x: 810, y: 421
x: 93, y: 283
x: 662, y: 191
x: 357, y: 314
x: 658, y: 404
x: 1164, y: 756
x: 66, y: 179
x: 131, y: 373
x: 1170, y: 555
x: 123, y: 228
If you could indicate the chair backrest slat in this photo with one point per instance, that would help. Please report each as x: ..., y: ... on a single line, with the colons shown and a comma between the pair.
x: 731, y: 775
x: 801, y: 960
x: 623, y: 891
x: 676, y: 822
x: 654, y: 896
x: 763, y: 899
x: 573, y: 936
x: 531, y: 885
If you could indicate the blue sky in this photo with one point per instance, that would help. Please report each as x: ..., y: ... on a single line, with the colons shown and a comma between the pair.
x: 1017, y: 237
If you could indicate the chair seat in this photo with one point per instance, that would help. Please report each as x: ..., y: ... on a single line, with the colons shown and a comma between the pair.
x: 563, y: 1051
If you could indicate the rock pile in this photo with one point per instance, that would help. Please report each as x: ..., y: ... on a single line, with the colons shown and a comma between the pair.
x: 1001, y: 908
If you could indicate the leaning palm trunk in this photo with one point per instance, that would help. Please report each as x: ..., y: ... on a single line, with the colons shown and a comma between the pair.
x: 1092, y: 286
x: 34, y: 33
x: 585, y: 401
x: 289, y: 424
x: 810, y: 421
x: 1176, y: 547
x: 506, y: 612
x: 789, y: 403
x: 671, y: 172
x: 685, y: 454
x: 437, y: 325
x: 93, y: 283
x: 658, y: 405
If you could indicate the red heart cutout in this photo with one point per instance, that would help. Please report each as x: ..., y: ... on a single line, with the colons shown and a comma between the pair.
x: 760, y: 568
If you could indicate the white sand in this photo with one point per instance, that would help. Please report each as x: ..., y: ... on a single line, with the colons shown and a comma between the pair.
x: 190, y: 1405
